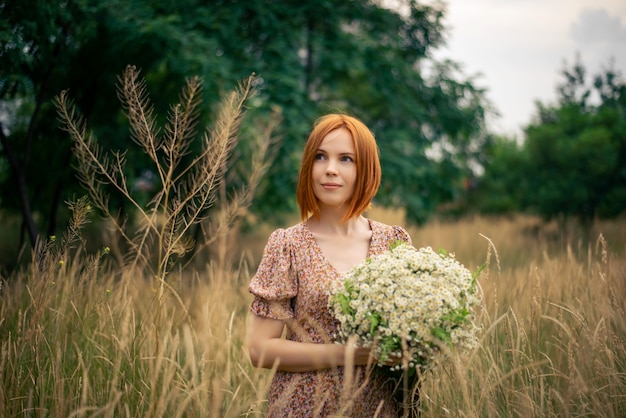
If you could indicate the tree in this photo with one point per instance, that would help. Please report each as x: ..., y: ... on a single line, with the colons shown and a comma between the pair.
x: 572, y: 163
x: 368, y: 60
x: 51, y: 46
x: 578, y: 150
x: 310, y: 58
x: 503, y: 186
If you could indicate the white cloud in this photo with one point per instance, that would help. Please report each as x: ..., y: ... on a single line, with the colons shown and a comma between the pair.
x: 597, y: 26
x: 520, y: 47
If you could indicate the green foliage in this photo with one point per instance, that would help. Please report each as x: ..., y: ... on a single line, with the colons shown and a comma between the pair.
x: 375, y: 321
x: 503, y: 187
x: 345, y: 305
x: 572, y: 163
x: 310, y: 58
x: 578, y: 151
x: 442, y: 334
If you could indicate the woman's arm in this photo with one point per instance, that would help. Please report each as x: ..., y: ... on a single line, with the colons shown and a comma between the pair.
x: 266, y: 347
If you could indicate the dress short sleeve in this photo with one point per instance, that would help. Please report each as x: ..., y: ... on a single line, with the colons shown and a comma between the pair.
x: 274, y: 284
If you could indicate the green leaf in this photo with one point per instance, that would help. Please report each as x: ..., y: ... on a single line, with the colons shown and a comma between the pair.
x: 457, y: 316
x: 375, y: 321
x: 442, y: 335
x: 395, y: 244
x: 344, y: 302
x: 476, y: 273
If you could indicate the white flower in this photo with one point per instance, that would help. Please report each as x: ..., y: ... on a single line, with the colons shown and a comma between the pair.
x: 409, y: 294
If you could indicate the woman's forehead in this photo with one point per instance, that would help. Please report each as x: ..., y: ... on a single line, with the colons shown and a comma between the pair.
x: 338, y: 138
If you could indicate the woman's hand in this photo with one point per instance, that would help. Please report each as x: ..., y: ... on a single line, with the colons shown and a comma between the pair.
x: 365, y: 355
x: 393, y: 360
x: 267, y: 348
x: 358, y: 355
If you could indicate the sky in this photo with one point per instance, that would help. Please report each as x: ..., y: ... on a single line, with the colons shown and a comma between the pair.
x: 517, y: 48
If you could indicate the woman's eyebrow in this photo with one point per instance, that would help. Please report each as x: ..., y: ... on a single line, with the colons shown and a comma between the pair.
x: 341, y: 153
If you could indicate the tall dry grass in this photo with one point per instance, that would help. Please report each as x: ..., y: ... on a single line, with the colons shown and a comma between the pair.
x: 554, y: 320
x: 123, y: 332
x: 116, y: 336
x: 76, y: 343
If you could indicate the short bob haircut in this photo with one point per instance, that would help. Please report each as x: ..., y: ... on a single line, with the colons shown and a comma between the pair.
x: 368, y: 171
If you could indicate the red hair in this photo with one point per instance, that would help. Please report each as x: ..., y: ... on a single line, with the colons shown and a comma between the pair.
x: 368, y: 171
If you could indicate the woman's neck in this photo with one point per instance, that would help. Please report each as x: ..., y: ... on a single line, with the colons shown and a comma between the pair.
x: 331, y: 223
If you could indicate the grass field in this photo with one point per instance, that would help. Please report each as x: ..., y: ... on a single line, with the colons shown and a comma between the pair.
x: 77, y: 340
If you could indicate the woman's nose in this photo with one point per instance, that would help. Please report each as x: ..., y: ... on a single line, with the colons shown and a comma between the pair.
x: 331, y: 167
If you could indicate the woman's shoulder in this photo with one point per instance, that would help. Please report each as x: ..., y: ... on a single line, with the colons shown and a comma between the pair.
x: 383, y: 227
x: 287, y: 234
x: 394, y: 232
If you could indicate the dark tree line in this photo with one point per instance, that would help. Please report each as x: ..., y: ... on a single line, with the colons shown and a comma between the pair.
x: 310, y: 57
x: 572, y: 162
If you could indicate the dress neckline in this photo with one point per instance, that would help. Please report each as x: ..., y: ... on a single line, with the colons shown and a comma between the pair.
x: 321, y: 253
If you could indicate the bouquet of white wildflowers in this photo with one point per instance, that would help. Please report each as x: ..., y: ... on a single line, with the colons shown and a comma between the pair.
x: 407, y: 302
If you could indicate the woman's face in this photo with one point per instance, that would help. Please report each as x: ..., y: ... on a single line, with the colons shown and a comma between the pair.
x: 334, y: 169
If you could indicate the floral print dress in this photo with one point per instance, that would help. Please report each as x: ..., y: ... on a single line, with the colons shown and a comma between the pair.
x: 291, y: 283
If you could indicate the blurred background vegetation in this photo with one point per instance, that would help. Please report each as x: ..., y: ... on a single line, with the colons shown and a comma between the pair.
x: 309, y: 58
x: 86, y: 331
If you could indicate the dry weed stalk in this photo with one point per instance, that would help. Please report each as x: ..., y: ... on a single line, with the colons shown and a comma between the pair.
x: 162, y: 239
x: 554, y: 343
x: 187, y: 193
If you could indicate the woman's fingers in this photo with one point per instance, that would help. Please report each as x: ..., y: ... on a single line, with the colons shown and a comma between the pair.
x: 393, y: 360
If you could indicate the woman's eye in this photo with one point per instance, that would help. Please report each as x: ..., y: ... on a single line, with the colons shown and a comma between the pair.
x: 347, y: 159
x: 319, y: 156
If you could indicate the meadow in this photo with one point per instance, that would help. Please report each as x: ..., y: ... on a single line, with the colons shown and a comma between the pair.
x: 79, y: 338
x: 114, y: 319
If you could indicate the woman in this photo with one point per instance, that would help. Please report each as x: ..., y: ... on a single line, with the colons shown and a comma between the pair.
x: 339, y: 176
